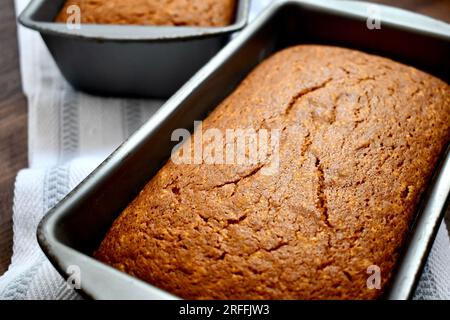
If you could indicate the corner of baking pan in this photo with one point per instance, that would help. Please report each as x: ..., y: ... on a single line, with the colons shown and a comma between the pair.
x: 423, y: 231
x: 392, y: 16
x: 98, y: 280
x: 131, y: 32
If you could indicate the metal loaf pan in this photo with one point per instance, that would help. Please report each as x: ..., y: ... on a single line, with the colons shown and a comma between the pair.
x: 74, y: 228
x: 128, y: 60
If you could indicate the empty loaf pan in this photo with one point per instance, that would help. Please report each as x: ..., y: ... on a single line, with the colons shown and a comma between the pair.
x: 130, y: 60
x: 74, y: 228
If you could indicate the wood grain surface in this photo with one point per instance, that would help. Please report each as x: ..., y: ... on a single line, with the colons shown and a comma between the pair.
x: 13, y: 126
x: 13, y: 111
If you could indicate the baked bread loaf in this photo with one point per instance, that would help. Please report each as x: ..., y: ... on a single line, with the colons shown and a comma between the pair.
x: 360, y: 137
x: 207, y: 13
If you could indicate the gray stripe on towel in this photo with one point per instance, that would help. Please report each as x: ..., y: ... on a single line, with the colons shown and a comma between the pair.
x: 69, y: 134
x: 56, y: 186
x: 131, y: 117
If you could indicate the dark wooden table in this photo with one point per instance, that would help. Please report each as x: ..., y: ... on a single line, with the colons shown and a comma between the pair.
x: 13, y: 111
x: 13, y: 126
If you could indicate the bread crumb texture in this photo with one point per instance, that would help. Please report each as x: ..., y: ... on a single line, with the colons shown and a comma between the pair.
x: 207, y: 13
x: 360, y: 137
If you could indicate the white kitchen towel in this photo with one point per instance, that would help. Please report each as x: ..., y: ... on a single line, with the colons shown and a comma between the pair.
x: 70, y: 133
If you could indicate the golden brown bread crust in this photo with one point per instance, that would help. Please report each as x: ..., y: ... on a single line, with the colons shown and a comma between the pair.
x: 361, y: 136
x: 207, y: 13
